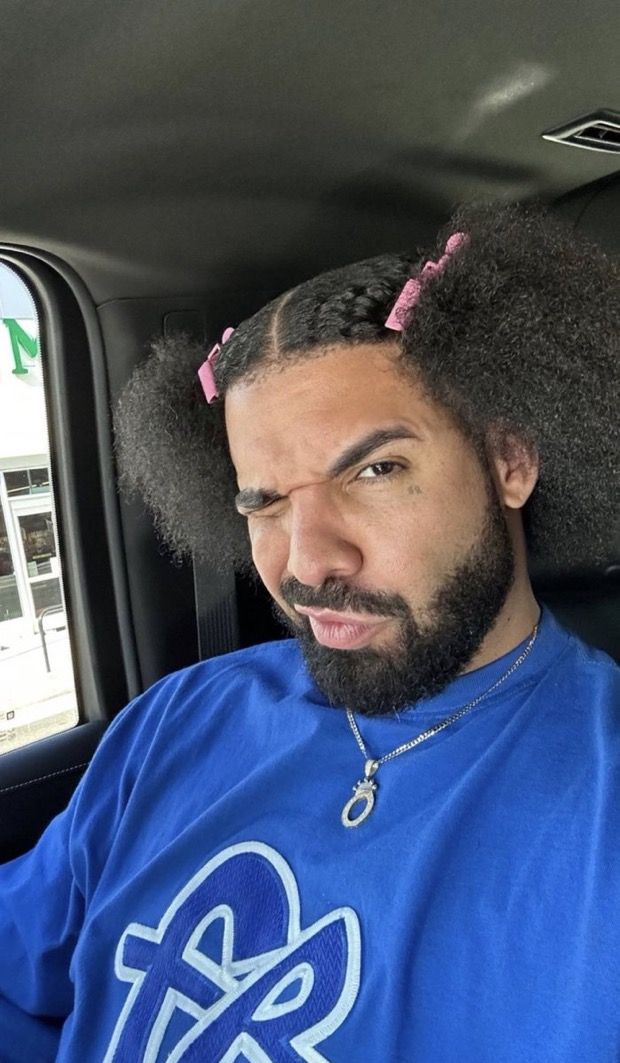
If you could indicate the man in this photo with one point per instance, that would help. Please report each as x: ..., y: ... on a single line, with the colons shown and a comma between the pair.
x: 392, y: 837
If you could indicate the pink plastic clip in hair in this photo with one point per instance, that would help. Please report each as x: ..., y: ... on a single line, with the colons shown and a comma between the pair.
x: 206, y: 374
x: 408, y: 298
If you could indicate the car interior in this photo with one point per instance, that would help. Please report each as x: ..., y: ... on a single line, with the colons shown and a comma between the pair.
x: 171, y: 167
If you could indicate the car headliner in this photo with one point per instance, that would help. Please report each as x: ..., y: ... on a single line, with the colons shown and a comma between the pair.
x: 155, y: 145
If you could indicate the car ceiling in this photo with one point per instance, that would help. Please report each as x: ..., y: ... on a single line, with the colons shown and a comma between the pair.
x: 156, y: 145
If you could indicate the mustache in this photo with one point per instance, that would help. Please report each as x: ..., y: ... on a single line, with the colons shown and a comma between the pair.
x: 336, y: 595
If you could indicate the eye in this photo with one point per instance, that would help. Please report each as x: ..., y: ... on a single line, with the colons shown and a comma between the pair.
x: 378, y: 470
x: 267, y: 512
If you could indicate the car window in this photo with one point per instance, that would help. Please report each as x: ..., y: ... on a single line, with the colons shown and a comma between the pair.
x: 37, y: 688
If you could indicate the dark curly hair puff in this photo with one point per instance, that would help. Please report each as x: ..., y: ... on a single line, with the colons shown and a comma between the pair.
x: 518, y: 335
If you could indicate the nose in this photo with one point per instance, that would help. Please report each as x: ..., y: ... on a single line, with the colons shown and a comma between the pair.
x: 320, y: 545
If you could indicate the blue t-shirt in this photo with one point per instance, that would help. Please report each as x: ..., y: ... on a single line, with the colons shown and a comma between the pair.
x: 201, y: 900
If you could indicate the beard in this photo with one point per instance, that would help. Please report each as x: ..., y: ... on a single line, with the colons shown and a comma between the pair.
x: 427, y: 654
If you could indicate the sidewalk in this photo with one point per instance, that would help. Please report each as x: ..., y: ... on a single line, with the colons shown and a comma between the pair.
x: 34, y: 702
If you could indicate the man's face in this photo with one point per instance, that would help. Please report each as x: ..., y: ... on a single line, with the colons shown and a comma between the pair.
x: 373, y: 524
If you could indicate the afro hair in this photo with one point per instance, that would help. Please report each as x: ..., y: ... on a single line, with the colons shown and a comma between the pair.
x: 518, y: 336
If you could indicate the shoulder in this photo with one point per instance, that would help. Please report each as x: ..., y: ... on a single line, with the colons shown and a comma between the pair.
x: 271, y: 670
x: 193, y: 704
x: 583, y: 660
x: 585, y: 681
x: 277, y: 664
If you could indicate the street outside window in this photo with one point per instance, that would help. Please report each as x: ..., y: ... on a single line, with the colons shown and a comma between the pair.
x: 37, y: 688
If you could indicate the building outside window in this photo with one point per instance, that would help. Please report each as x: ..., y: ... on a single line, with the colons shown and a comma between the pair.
x: 37, y: 691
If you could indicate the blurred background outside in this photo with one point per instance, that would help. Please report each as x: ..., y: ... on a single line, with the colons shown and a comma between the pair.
x: 37, y: 691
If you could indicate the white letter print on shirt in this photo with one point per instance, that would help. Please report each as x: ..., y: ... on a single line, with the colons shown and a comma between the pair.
x: 276, y: 992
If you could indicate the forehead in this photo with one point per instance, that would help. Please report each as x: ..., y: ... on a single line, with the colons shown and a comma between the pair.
x: 293, y: 421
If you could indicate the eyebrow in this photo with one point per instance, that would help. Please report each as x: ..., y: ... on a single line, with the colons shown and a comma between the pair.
x: 251, y: 499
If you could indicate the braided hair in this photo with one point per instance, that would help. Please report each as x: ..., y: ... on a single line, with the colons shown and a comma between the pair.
x: 519, y: 336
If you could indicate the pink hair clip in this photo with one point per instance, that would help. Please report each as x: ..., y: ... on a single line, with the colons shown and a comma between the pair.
x: 206, y: 374
x: 409, y: 296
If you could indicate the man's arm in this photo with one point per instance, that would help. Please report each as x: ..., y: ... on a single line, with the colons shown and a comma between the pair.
x: 41, y: 911
x: 45, y: 894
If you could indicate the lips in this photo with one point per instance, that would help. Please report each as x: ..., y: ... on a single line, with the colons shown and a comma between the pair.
x: 341, y: 631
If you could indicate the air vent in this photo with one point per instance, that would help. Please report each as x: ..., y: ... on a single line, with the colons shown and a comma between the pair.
x: 596, y: 132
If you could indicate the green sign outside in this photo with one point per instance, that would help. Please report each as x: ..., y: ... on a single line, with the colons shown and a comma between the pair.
x: 21, y: 343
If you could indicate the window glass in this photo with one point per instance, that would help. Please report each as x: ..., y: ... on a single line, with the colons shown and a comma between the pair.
x: 10, y: 606
x: 37, y: 689
x: 39, y: 480
x: 16, y: 483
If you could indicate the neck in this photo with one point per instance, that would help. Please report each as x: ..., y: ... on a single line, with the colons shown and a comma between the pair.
x: 515, y: 621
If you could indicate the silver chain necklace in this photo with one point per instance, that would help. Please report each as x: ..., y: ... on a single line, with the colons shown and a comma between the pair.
x: 365, y: 789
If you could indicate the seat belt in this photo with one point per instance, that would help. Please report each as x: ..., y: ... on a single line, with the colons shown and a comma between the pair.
x: 215, y: 593
x: 217, y: 617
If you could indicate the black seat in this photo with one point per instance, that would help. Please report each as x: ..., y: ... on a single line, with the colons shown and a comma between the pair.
x: 587, y: 603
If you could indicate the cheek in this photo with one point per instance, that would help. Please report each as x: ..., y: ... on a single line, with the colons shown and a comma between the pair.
x: 419, y: 539
x: 407, y: 552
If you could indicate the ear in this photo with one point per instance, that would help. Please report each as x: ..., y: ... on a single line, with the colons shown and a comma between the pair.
x: 514, y: 465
